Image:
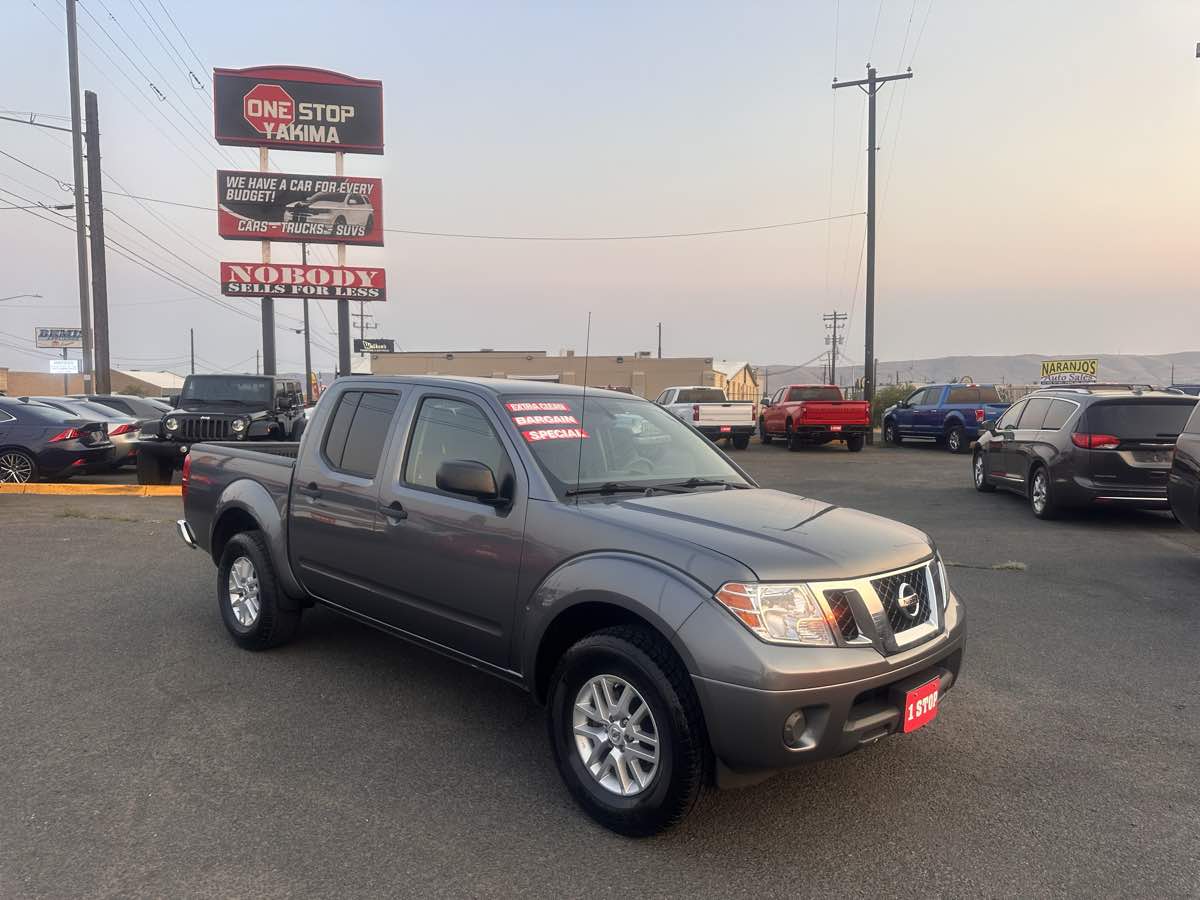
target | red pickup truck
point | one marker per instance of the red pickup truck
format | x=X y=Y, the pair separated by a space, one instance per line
x=811 y=414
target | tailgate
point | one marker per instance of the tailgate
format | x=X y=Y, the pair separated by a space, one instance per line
x=834 y=412
x=731 y=413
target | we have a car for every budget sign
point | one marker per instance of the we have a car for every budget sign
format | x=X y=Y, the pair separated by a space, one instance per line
x=319 y=209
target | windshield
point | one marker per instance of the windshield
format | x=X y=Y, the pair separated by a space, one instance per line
x=629 y=441
x=242 y=389
x=701 y=395
x=1133 y=419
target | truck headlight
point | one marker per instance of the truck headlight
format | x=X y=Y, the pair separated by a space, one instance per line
x=778 y=613
x=171 y=424
x=238 y=425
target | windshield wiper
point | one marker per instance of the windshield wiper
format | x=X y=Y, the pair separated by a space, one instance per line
x=612 y=487
x=706 y=482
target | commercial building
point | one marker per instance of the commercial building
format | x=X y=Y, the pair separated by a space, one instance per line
x=637 y=373
x=45 y=384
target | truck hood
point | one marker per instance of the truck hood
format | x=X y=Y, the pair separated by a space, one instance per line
x=780 y=536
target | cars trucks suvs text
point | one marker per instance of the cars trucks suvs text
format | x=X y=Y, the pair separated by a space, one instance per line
x=683 y=626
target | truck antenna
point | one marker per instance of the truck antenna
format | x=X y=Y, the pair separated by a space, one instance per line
x=587 y=352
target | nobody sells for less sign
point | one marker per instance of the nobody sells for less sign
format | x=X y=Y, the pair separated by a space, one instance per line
x=283 y=280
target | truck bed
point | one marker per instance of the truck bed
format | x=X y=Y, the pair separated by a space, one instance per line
x=214 y=466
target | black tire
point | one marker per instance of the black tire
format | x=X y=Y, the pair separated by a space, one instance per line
x=741 y=441
x=764 y=436
x=297 y=430
x=272 y=625
x=18 y=467
x=154 y=469
x=956 y=439
x=644 y=660
x=793 y=439
x=979 y=473
x=340 y=222
x=891 y=434
x=855 y=442
x=1047 y=508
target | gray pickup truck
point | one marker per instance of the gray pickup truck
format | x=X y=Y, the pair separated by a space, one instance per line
x=683 y=627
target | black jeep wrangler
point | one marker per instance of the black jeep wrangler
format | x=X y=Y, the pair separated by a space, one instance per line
x=221 y=408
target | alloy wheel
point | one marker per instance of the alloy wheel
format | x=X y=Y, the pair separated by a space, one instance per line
x=979 y=469
x=615 y=735
x=244 y=600
x=15 y=468
x=1040 y=491
x=954 y=440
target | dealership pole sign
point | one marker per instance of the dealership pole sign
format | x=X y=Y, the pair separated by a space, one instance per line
x=298 y=108
x=1069 y=371
x=314 y=209
x=57 y=338
x=285 y=280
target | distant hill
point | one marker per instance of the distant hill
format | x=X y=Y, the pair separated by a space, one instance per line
x=1155 y=370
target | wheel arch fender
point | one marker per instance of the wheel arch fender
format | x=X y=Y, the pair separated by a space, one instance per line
x=247 y=503
x=953 y=419
x=597 y=590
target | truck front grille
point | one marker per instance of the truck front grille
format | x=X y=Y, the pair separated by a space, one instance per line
x=206 y=428
x=911 y=586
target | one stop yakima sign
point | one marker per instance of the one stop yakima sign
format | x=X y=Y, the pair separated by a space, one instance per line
x=268 y=108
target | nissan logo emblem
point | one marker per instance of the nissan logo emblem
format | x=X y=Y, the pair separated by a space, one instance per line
x=908 y=601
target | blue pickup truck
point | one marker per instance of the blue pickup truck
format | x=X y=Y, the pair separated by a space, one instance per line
x=949 y=414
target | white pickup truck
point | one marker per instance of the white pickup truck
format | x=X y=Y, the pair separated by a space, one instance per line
x=712 y=413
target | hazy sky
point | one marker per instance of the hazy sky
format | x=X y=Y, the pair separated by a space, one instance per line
x=1038 y=177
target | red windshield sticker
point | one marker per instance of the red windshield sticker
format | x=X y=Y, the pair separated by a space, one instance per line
x=537 y=406
x=545 y=420
x=555 y=434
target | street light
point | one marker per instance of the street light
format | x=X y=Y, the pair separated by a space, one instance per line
x=19 y=296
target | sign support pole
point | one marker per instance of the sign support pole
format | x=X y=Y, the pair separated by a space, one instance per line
x=67 y=377
x=308 y=385
x=268 y=303
x=343 y=305
x=102 y=373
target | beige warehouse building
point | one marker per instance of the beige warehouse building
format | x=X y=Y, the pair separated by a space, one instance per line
x=638 y=373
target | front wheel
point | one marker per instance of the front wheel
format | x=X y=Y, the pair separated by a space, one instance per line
x=627 y=732
x=248 y=595
x=891 y=435
x=956 y=439
x=763 y=435
x=741 y=441
x=979 y=473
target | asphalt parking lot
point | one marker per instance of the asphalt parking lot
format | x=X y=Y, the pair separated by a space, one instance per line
x=143 y=754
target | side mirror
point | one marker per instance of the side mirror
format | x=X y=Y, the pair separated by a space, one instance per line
x=988 y=425
x=766 y=401
x=901 y=404
x=469 y=478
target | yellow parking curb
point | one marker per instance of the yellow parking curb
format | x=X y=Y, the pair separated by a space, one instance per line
x=95 y=490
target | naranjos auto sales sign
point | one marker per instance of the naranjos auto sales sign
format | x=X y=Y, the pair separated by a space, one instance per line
x=1069 y=371
x=249 y=279
x=269 y=206
x=297 y=108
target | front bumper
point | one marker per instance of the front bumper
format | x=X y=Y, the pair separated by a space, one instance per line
x=849 y=697
x=173 y=450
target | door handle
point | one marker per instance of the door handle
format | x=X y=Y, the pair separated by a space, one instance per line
x=310 y=490
x=394 y=511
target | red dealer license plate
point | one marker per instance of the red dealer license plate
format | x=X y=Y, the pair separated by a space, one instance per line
x=835 y=427
x=921 y=705
x=725 y=429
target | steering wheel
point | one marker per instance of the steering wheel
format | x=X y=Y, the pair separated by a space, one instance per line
x=639 y=465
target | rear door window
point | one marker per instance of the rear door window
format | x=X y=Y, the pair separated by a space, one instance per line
x=339 y=428
x=1034 y=413
x=368 y=433
x=1056 y=418
x=1139 y=419
x=963 y=395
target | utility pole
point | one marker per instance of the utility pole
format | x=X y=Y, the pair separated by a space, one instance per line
x=660 y=340
x=268 y=303
x=192 y=340
x=343 y=306
x=834 y=321
x=103 y=372
x=308 y=390
x=363 y=327
x=870 y=86
x=81 y=260
x=257 y=370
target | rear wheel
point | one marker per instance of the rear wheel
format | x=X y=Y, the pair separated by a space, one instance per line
x=1041 y=500
x=248 y=595
x=154 y=469
x=891 y=434
x=793 y=439
x=956 y=439
x=979 y=473
x=17 y=467
x=855 y=442
x=763 y=435
x=627 y=732
x=741 y=441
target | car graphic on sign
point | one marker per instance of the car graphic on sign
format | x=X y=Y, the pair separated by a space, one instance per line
x=333 y=209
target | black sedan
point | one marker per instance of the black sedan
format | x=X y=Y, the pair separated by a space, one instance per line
x=1183 y=486
x=38 y=441
x=1083 y=446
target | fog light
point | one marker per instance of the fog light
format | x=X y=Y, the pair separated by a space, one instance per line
x=793 y=729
